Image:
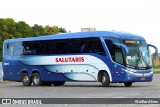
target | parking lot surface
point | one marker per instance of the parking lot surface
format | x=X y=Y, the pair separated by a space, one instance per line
x=83 y=90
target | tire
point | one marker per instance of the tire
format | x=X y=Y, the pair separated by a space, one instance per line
x=26 y=79
x=105 y=80
x=36 y=79
x=59 y=83
x=128 y=84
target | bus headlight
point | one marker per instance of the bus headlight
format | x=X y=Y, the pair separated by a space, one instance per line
x=131 y=71
x=151 y=72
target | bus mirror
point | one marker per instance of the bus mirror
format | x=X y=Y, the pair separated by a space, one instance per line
x=123 y=46
x=156 y=49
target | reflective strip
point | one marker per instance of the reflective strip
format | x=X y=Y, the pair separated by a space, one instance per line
x=6 y=63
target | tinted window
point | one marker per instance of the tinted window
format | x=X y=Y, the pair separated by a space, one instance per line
x=118 y=56
x=113 y=39
x=9 y=49
x=38 y=47
x=95 y=46
x=18 y=48
x=87 y=45
x=6 y=48
x=63 y=46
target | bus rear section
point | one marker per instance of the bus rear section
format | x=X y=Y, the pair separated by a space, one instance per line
x=63 y=60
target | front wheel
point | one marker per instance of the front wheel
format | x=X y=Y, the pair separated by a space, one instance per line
x=128 y=84
x=105 y=80
x=26 y=79
x=37 y=79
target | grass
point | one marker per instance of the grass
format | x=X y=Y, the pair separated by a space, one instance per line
x=157 y=69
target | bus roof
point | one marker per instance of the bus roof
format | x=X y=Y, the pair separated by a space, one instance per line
x=122 y=35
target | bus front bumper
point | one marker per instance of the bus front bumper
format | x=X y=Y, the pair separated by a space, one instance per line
x=139 y=76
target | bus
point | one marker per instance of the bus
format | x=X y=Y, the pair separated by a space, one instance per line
x=98 y=56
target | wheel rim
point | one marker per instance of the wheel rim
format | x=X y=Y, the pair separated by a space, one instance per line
x=25 y=79
x=36 y=80
x=103 y=79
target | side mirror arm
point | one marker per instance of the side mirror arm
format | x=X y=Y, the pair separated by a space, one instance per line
x=156 y=49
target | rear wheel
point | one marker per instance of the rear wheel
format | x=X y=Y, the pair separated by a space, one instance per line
x=37 y=79
x=26 y=79
x=59 y=83
x=128 y=84
x=105 y=80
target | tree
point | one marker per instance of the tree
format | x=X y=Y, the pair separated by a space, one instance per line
x=50 y=30
x=24 y=29
x=37 y=30
x=10 y=29
x=63 y=30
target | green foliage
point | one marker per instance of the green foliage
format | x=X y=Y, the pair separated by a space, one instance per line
x=51 y=30
x=37 y=30
x=10 y=29
x=24 y=29
x=157 y=67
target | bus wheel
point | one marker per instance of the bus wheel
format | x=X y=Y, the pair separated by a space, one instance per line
x=128 y=84
x=26 y=79
x=59 y=83
x=105 y=79
x=36 y=79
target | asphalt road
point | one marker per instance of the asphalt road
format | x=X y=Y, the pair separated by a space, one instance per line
x=83 y=90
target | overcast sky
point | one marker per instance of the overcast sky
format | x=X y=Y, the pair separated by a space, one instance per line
x=140 y=17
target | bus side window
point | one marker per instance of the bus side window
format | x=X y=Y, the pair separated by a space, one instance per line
x=18 y=48
x=83 y=48
x=6 y=49
x=11 y=49
x=95 y=46
x=62 y=47
x=7 y=45
x=77 y=45
x=29 y=48
x=118 y=56
x=109 y=44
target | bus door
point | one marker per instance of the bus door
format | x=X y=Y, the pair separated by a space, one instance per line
x=8 y=61
x=116 y=56
x=119 y=61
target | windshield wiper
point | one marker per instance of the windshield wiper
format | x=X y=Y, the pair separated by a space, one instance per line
x=145 y=61
x=147 y=65
x=140 y=59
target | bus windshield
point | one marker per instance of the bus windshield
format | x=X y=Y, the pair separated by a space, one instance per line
x=138 y=56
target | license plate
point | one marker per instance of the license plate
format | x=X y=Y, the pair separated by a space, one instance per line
x=143 y=79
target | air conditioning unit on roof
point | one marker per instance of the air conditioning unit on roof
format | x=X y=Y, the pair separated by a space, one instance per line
x=88 y=29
